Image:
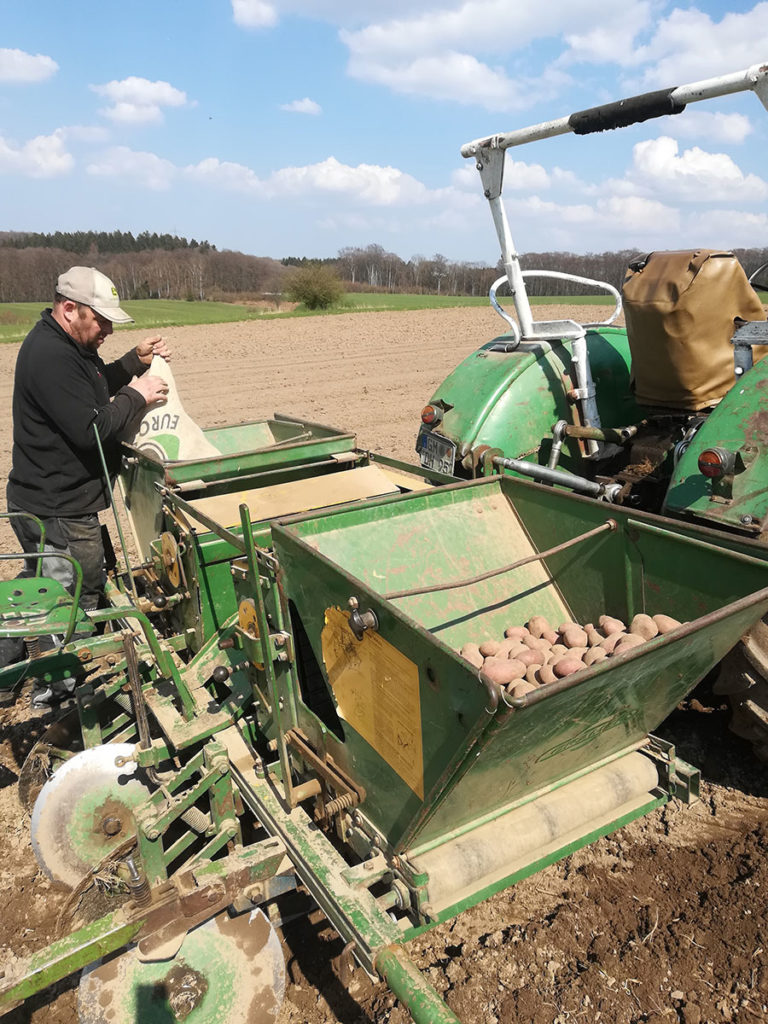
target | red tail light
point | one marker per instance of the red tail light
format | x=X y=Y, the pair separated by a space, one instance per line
x=716 y=462
x=431 y=415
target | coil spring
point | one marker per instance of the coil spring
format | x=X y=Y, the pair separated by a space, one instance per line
x=341 y=803
x=32 y=644
x=124 y=701
x=138 y=884
x=196 y=819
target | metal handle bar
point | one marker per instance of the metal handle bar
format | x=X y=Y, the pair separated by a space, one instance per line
x=560 y=276
x=78 y=571
x=632 y=110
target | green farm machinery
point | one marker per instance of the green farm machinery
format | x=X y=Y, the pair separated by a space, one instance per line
x=332 y=679
x=665 y=415
x=274 y=701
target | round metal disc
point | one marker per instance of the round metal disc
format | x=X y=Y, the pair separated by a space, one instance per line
x=84 y=811
x=229 y=970
x=170 y=551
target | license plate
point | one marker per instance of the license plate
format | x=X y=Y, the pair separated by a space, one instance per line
x=437 y=453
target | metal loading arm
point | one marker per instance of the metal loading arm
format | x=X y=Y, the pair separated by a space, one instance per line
x=632 y=110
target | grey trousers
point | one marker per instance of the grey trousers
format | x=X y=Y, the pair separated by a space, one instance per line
x=77 y=536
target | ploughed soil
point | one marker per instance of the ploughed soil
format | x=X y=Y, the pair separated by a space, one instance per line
x=664 y=921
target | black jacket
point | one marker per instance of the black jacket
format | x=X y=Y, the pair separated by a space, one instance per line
x=60 y=390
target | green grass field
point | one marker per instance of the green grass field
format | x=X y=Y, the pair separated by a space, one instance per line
x=16 y=319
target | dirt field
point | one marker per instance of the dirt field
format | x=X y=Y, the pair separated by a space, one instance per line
x=665 y=921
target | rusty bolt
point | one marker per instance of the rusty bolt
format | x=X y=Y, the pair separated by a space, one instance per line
x=111 y=826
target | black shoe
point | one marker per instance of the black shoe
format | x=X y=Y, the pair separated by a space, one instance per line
x=52 y=695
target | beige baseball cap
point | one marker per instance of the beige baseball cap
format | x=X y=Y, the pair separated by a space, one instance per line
x=89 y=286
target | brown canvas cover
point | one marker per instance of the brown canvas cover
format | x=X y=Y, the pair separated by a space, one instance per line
x=680 y=309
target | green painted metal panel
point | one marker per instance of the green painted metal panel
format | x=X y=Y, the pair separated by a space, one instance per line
x=738 y=423
x=510 y=400
x=473 y=761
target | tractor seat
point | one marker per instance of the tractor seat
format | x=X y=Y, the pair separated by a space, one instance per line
x=36 y=606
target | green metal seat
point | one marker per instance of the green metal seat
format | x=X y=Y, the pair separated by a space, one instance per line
x=38 y=606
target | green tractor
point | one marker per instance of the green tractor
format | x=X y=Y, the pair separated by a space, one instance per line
x=665 y=415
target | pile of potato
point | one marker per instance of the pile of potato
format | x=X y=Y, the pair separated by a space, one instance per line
x=537 y=653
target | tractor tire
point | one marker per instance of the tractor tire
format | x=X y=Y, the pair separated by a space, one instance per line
x=743 y=679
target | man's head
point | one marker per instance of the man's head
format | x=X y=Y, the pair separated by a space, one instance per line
x=86 y=304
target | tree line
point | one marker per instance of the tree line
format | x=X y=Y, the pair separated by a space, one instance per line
x=29 y=275
x=373 y=268
x=170 y=267
x=83 y=242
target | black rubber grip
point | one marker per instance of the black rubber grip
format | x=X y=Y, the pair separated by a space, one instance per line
x=625 y=112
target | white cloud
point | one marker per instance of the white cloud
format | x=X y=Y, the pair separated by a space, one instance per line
x=458 y=77
x=18 y=66
x=711 y=227
x=369 y=183
x=137 y=100
x=613 y=34
x=253 y=13
x=714 y=127
x=688 y=45
x=693 y=175
x=84 y=132
x=145 y=169
x=638 y=214
x=45 y=156
x=224 y=174
x=305 y=106
x=447 y=51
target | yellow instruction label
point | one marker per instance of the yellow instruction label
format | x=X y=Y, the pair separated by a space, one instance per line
x=377 y=692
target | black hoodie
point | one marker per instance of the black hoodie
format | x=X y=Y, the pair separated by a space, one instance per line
x=62 y=389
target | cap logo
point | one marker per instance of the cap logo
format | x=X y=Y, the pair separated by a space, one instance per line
x=114 y=291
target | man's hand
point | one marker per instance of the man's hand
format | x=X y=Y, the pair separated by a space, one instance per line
x=154 y=346
x=152 y=389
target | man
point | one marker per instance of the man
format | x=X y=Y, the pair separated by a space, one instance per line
x=62 y=391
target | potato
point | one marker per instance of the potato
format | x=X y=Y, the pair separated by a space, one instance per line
x=520 y=689
x=595 y=655
x=518 y=668
x=610 y=642
x=545 y=674
x=515 y=632
x=567 y=666
x=550 y=636
x=537 y=625
x=536 y=643
x=593 y=637
x=532 y=674
x=471 y=653
x=567 y=625
x=574 y=637
x=644 y=626
x=501 y=670
x=610 y=625
x=627 y=642
x=665 y=623
x=490 y=648
x=556 y=652
x=531 y=657
x=516 y=649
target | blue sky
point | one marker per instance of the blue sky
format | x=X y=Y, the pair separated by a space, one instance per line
x=298 y=127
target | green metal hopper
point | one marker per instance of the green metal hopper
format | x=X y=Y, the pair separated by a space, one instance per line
x=454 y=771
